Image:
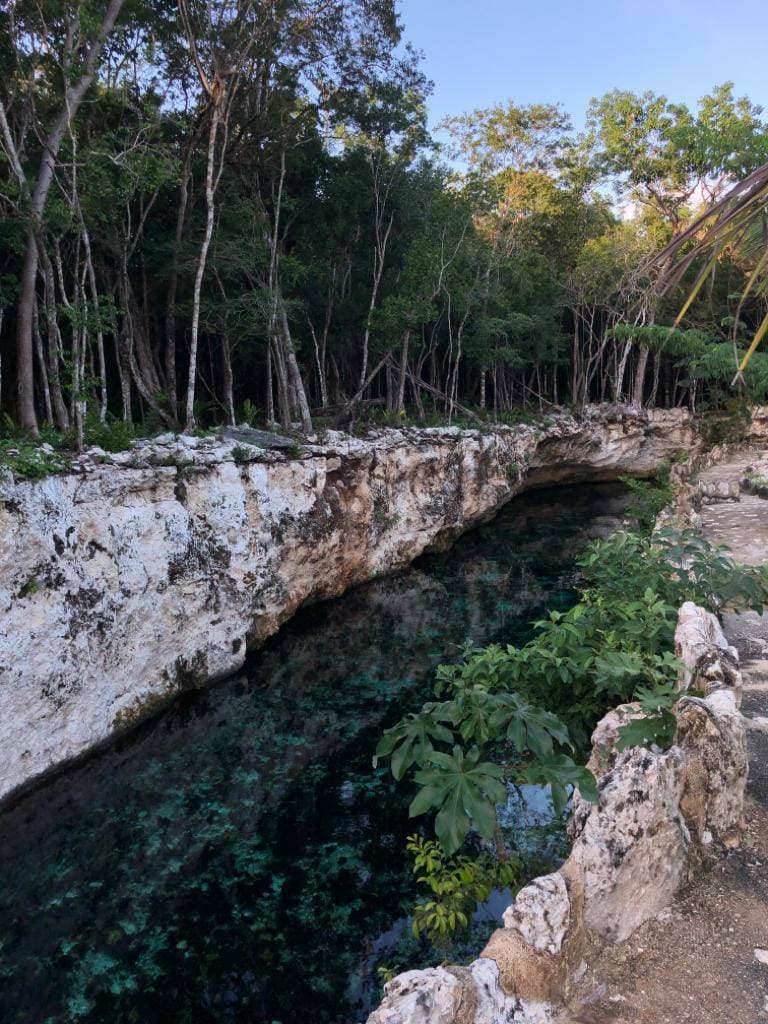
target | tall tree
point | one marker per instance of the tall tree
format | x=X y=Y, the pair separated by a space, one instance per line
x=78 y=33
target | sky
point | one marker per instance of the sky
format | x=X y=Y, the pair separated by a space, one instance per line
x=479 y=52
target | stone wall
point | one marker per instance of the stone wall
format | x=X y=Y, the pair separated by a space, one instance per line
x=141 y=573
x=661 y=816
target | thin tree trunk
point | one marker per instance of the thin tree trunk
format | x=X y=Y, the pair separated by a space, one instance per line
x=638 y=388
x=60 y=412
x=270 y=392
x=403 y=368
x=201 y=261
x=43 y=369
x=294 y=373
x=226 y=379
x=173 y=282
x=99 y=330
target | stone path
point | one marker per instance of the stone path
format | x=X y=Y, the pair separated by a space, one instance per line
x=696 y=965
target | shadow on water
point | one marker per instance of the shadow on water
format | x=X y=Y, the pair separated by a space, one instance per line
x=236 y=859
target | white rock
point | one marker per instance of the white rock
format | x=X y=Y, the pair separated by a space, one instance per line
x=493 y=1005
x=420 y=997
x=541 y=913
x=709 y=660
x=632 y=847
x=761 y=955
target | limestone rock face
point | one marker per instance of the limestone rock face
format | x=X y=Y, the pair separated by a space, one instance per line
x=457 y=995
x=632 y=847
x=140 y=573
x=712 y=735
x=541 y=913
x=710 y=663
x=433 y=996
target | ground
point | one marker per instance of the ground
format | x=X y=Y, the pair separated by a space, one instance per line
x=696 y=964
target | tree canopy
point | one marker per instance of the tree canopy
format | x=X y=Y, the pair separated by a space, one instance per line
x=217 y=211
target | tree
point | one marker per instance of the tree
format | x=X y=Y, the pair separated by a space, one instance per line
x=79 y=34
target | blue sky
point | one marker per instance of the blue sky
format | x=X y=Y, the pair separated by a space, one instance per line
x=481 y=51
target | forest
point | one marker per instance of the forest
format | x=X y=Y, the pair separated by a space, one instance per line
x=230 y=212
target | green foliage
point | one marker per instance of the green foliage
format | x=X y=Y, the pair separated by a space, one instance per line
x=457 y=884
x=463 y=790
x=658 y=724
x=664 y=339
x=731 y=423
x=29 y=461
x=614 y=646
x=757 y=484
x=241 y=455
x=113 y=435
x=32 y=586
x=249 y=413
x=651 y=497
x=677 y=566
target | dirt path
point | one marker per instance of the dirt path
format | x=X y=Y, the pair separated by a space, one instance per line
x=696 y=965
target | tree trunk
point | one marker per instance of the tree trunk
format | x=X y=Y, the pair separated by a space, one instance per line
x=226 y=378
x=201 y=261
x=638 y=388
x=294 y=373
x=51 y=144
x=99 y=330
x=403 y=368
x=43 y=368
x=60 y=413
x=25 y=379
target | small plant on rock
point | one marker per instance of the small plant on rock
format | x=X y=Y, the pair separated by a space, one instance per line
x=241 y=455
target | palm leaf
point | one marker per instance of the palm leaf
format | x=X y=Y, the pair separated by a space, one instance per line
x=726 y=222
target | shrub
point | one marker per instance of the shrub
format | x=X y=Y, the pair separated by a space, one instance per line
x=517 y=715
x=112 y=435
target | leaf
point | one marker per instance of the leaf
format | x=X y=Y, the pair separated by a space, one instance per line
x=653 y=730
x=427 y=798
x=561 y=773
x=465 y=790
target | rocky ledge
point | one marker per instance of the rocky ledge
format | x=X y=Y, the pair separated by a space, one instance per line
x=661 y=817
x=135 y=575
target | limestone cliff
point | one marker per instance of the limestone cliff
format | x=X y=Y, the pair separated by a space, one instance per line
x=138 y=574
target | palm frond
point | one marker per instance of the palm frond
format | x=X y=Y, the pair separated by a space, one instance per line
x=735 y=221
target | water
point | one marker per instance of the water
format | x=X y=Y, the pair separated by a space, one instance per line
x=238 y=859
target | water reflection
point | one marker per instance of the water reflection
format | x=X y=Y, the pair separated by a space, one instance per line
x=238 y=858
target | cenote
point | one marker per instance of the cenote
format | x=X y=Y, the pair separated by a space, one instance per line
x=238 y=859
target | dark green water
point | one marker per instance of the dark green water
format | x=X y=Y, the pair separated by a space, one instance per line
x=237 y=859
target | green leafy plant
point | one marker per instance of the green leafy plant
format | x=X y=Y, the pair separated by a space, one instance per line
x=30 y=462
x=650 y=497
x=457 y=884
x=512 y=716
x=241 y=455
x=463 y=790
x=112 y=435
x=249 y=413
x=658 y=725
x=757 y=484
